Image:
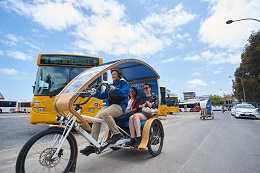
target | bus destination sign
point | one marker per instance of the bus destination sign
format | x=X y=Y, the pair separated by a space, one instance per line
x=69 y=60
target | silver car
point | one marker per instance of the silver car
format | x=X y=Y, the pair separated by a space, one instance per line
x=246 y=110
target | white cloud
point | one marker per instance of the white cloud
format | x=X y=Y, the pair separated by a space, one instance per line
x=12 y=37
x=196 y=82
x=186 y=35
x=19 y=55
x=192 y=58
x=225 y=57
x=51 y=15
x=168 y=21
x=1 y=52
x=9 y=71
x=112 y=34
x=169 y=60
x=102 y=25
x=179 y=36
x=196 y=74
x=217 y=57
x=57 y=16
x=216 y=72
x=215 y=32
x=213 y=82
x=12 y=73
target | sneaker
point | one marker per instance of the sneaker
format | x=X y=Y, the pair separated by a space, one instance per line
x=88 y=150
x=137 y=141
x=114 y=138
x=130 y=143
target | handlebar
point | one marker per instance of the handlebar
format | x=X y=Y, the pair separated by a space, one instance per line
x=92 y=91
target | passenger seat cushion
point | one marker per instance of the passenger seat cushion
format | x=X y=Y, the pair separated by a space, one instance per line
x=127 y=123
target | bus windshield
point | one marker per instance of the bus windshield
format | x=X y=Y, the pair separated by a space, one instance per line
x=55 y=71
x=172 y=102
x=50 y=80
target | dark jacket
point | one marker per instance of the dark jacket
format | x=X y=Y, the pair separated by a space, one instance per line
x=152 y=99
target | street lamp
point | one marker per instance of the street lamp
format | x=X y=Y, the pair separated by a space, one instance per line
x=242 y=87
x=231 y=21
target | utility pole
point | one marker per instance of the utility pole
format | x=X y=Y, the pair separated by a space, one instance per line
x=242 y=83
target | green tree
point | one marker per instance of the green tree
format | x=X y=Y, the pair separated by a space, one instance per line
x=216 y=100
x=247 y=75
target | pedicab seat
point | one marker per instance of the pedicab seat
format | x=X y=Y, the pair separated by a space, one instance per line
x=142 y=123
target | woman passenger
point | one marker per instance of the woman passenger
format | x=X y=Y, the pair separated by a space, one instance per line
x=132 y=107
x=148 y=100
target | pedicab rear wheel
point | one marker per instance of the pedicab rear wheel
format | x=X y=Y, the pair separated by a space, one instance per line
x=156 y=137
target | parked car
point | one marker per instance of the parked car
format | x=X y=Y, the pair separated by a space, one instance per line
x=217 y=108
x=232 y=111
x=246 y=110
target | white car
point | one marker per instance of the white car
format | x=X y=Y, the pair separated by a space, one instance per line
x=246 y=110
x=233 y=109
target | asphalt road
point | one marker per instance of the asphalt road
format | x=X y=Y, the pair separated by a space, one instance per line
x=224 y=144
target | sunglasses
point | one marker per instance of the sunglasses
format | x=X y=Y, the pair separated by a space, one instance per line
x=145 y=88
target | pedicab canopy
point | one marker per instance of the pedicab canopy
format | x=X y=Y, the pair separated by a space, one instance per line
x=206 y=105
x=134 y=72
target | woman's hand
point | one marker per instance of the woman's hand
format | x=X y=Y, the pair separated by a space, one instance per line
x=127 y=111
x=143 y=105
x=149 y=103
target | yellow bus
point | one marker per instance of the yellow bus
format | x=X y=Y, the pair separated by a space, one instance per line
x=163 y=107
x=55 y=71
x=172 y=104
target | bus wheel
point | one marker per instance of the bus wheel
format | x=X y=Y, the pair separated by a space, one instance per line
x=156 y=136
x=1 y=111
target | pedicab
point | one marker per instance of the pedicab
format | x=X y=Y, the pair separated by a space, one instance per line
x=55 y=149
x=206 y=110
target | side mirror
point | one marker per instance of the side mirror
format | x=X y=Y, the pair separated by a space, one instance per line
x=105 y=76
x=33 y=88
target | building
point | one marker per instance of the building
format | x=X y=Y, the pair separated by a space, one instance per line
x=189 y=95
x=204 y=97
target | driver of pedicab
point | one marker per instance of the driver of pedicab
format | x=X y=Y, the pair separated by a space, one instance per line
x=116 y=98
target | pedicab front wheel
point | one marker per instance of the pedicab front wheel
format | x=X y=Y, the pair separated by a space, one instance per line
x=36 y=154
x=156 y=136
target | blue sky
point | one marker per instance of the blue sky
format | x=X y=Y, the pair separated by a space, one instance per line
x=186 y=42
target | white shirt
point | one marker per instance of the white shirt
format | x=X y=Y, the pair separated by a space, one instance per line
x=129 y=106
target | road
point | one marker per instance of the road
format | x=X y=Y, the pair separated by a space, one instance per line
x=224 y=144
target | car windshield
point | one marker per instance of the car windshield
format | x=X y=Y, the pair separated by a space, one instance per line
x=246 y=106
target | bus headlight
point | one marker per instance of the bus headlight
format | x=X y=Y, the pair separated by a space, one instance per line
x=91 y=110
x=40 y=109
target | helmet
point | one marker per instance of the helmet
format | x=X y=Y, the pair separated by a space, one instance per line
x=119 y=72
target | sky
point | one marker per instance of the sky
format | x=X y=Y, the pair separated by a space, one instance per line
x=186 y=41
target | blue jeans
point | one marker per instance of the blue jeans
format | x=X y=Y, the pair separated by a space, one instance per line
x=124 y=118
